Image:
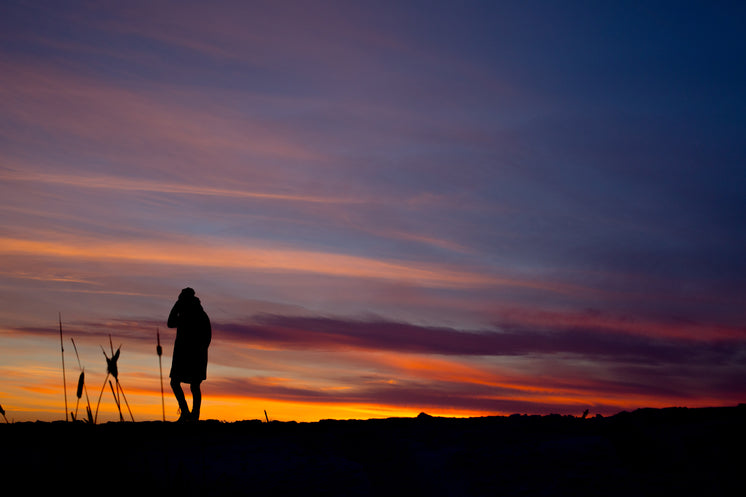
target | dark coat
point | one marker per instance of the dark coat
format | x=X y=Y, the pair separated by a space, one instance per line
x=193 y=336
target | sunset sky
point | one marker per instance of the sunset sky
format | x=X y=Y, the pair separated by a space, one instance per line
x=386 y=207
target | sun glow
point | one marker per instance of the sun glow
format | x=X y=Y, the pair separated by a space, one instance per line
x=228 y=408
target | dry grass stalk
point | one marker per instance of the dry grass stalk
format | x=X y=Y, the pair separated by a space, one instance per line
x=113 y=370
x=159 y=351
x=116 y=400
x=64 y=380
x=82 y=388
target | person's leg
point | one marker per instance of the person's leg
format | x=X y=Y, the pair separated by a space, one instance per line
x=196 y=400
x=179 y=394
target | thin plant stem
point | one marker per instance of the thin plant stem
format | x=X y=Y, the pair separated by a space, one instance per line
x=159 y=350
x=85 y=387
x=116 y=401
x=64 y=379
x=99 y=398
x=121 y=390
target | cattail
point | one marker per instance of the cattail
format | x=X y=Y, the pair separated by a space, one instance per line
x=81 y=382
x=82 y=387
x=79 y=394
x=2 y=411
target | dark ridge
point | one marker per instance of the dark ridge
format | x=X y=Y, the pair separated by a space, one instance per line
x=668 y=451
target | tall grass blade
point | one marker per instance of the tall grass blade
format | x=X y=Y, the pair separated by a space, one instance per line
x=124 y=397
x=64 y=380
x=116 y=401
x=85 y=388
x=159 y=351
x=100 y=394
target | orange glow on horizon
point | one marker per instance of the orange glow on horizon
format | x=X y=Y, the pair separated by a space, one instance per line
x=229 y=408
x=145 y=402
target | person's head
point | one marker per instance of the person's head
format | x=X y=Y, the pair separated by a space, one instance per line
x=186 y=294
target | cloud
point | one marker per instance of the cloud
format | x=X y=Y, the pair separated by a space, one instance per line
x=125 y=184
x=597 y=345
x=518 y=370
x=105 y=120
x=312 y=360
x=221 y=255
x=414 y=395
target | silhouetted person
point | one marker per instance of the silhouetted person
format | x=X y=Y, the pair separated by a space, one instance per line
x=189 y=363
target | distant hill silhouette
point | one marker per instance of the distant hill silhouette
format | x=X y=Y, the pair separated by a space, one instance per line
x=674 y=451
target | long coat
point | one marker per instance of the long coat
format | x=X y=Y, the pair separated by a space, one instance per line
x=193 y=336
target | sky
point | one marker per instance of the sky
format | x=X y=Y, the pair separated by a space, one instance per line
x=461 y=208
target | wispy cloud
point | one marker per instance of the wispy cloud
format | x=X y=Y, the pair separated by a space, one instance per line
x=197 y=253
x=584 y=342
x=92 y=113
x=129 y=184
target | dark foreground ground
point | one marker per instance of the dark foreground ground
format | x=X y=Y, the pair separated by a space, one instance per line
x=658 y=452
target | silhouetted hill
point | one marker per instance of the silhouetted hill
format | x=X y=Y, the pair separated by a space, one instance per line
x=674 y=451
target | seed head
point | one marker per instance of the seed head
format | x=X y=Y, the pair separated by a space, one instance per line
x=81 y=382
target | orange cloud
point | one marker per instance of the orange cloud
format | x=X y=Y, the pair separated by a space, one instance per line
x=221 y=255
